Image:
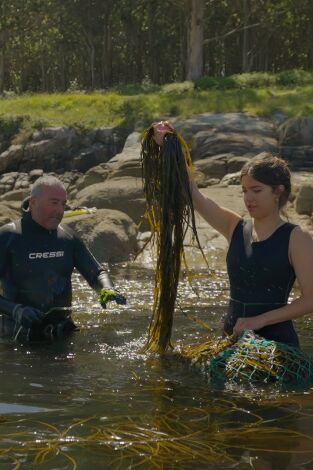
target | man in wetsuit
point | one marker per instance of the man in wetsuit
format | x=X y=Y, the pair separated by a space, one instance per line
x=37 y=258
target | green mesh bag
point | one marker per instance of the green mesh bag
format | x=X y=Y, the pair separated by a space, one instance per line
x=252 y=359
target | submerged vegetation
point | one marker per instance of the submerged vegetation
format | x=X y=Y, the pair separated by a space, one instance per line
x=182 y=437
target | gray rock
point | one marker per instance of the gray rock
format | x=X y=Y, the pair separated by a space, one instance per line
x=8 y=213
x=123 y=194
x=231 y=178
x=296 y=131
x=94 y=175
x=304 y=199
x=10 y=159
x=92 y=156
x=226 y=122
x=15 y=195
x=209 y=143
x=235 y=164
x=35 y=174
x=214 y=167
x=126 y=168
x=109 y=234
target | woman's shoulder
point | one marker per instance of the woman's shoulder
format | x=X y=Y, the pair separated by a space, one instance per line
x=300 y=240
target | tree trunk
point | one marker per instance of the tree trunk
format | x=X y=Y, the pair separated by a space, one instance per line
x=245 y=61
x=106 y=59
x=2 y=46
x=1 y=70
x=92 y=66
x=43 y=74
x=195 y=40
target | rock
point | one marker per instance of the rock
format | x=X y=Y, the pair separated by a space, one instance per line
x=92 y=156
x=96 y=174
x=10 y=159
x=61 y=133
x=126 y=168
x=296 y=132
x=243 y=123
x=235 y=164
x=231 y=178
x=35 y=174
x=8 y=213
x=109 y=234
x=200 y=178
x=123 y=194
x=209 y=143
x=15 y=195
x=304 y=199
x=214 y=167
x=132 y=142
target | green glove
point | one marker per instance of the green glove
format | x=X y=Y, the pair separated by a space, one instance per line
x=107 y=295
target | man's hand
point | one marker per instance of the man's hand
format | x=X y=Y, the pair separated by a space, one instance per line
x=27 y=316
x=160 y=129
x=107 y=295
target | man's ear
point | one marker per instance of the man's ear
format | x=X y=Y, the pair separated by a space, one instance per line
x=32 y=202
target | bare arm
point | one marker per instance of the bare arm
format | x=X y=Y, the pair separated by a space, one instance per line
x=220 y=218
x=301 y=257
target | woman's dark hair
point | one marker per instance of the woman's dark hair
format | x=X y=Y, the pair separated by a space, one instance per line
x=271 y=170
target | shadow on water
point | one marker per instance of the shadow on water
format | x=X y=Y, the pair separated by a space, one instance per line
x=94 y=401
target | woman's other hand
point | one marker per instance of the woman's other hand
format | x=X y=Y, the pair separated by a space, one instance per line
x=160 y=129
x=250 y=323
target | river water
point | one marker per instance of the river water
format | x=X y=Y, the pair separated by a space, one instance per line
x=96 y=402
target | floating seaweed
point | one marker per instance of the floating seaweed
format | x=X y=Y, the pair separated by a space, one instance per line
x=182 y=437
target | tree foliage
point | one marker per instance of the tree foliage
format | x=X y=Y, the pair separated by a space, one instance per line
x=56 y=45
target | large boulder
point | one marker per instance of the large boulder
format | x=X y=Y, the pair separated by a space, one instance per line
x=94 y=175
x=109 y=234
x=8 y=213
x=15 y=195
x=238 y=133
x=212 y=142
x=127 y=163
x=296 y=132
x=226 y=122
x=215 y=167
x=123 y=194
x=296 y=142
x=10 y=160
x=304 y=199
x=220 y=165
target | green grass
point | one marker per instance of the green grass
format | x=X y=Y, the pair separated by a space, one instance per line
x=115 y=108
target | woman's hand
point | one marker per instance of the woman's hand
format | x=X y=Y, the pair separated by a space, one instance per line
x=160 y=129
x=250 y=323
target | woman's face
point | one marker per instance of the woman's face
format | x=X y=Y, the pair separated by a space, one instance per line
x=260 y=199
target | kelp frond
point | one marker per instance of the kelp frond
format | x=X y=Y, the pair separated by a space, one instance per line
x=170 y=213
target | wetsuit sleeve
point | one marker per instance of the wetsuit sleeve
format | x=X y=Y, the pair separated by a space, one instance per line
x=6 y=306
x=90 y=268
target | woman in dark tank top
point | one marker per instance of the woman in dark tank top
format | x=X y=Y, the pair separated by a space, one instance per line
x=266 y=254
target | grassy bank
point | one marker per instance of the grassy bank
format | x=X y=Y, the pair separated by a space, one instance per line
x=139 y=105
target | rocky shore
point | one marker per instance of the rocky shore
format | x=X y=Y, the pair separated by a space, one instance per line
x=101 y=169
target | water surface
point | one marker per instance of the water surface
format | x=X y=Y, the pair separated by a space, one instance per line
x=95 y=401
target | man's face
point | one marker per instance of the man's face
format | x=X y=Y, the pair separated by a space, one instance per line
x=47 y=209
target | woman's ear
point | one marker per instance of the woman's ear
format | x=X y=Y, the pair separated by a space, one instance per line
x=279 y=189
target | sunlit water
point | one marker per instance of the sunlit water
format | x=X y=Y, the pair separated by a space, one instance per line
x=96 y=402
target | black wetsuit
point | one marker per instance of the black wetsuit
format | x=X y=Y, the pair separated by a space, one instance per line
x=261 y=278
x=36 y=266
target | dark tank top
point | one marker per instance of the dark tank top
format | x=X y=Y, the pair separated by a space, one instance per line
x=261 y=278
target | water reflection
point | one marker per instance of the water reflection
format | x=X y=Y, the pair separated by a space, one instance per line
x=114 y=407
